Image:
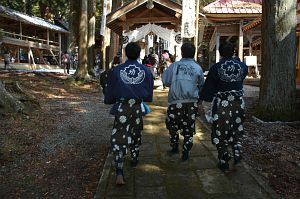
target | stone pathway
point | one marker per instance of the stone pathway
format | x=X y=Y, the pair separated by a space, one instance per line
x=159 y=175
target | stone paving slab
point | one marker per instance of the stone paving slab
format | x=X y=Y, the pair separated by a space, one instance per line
x=160 y=175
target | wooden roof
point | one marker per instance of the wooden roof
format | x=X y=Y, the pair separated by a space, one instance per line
x=234 y=7
x=134 y=14
x=230 y=10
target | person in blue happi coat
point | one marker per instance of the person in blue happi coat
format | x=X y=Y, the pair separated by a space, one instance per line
x=129 y=85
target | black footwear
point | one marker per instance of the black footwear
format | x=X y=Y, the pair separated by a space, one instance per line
x=237 y=160
x=134 y=162
x=120 y=177
x=223 y=167
x=174 y=149
x=185 y=155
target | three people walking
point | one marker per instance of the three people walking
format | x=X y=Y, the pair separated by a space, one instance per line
x=130 y=84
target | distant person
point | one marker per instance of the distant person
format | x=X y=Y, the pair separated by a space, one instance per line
x=75 y=60
x=164 y=61
x=154 y=61
x=104 y=76
x=146 y=60
x=185 y=79
x=128 y=86
x=6 y=60
x=66 y=62
x=116 y=60
x=98 y=61
x=224 y=88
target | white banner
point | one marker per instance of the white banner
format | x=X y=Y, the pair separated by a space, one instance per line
x=188 y=19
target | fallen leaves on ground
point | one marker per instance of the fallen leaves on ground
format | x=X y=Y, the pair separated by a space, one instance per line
x=273 y=150
x=69 y=170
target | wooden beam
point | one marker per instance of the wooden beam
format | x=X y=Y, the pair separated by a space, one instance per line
x=230 y=17
x=122 y=18
x=170 y=4
x=153 y=20
x=123 y=10
x=31 y=44
x=30 y=55
x=159 y=12
x=228 y=38
x=134 y=4
x=212 y=42
x=228 y=30
x=135 y=26
x=54 y=57
x=144 y=12
x=41 y=56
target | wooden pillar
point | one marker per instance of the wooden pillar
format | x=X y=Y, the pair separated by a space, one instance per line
x=250 y=45
x=197 y=29
x=217 y=47
x=21 y=31
x=48 y=37
x=59 y=54
x=28 y=55
x=18 y=54
x=298 y=61
x=298 y=51
x=241 y=41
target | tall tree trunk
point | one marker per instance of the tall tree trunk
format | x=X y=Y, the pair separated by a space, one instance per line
x=43 y=7
x=73 y=39
x=81 y=72
x=91 y=35
x=28 y=6
x=278 y=88
x=114 y=38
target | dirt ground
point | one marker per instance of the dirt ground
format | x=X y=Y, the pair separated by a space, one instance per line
x=57 y=149
x=273 y=151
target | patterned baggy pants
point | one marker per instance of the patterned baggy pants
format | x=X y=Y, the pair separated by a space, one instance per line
x=126 y=132
x=181 y=118
x=227 y=128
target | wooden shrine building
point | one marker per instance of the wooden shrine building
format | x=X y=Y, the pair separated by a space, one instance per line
x=136 y=14
x=224 y=20
x=30 y=40
x=255 y=26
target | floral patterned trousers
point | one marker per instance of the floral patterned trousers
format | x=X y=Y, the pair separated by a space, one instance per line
x=126 y=132
x=181 y=118
x=227 y=128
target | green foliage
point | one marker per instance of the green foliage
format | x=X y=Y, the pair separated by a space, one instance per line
x=36 y=7
x=16 y=4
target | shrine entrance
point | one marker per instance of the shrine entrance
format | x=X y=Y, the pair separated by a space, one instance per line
x=153 y=24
